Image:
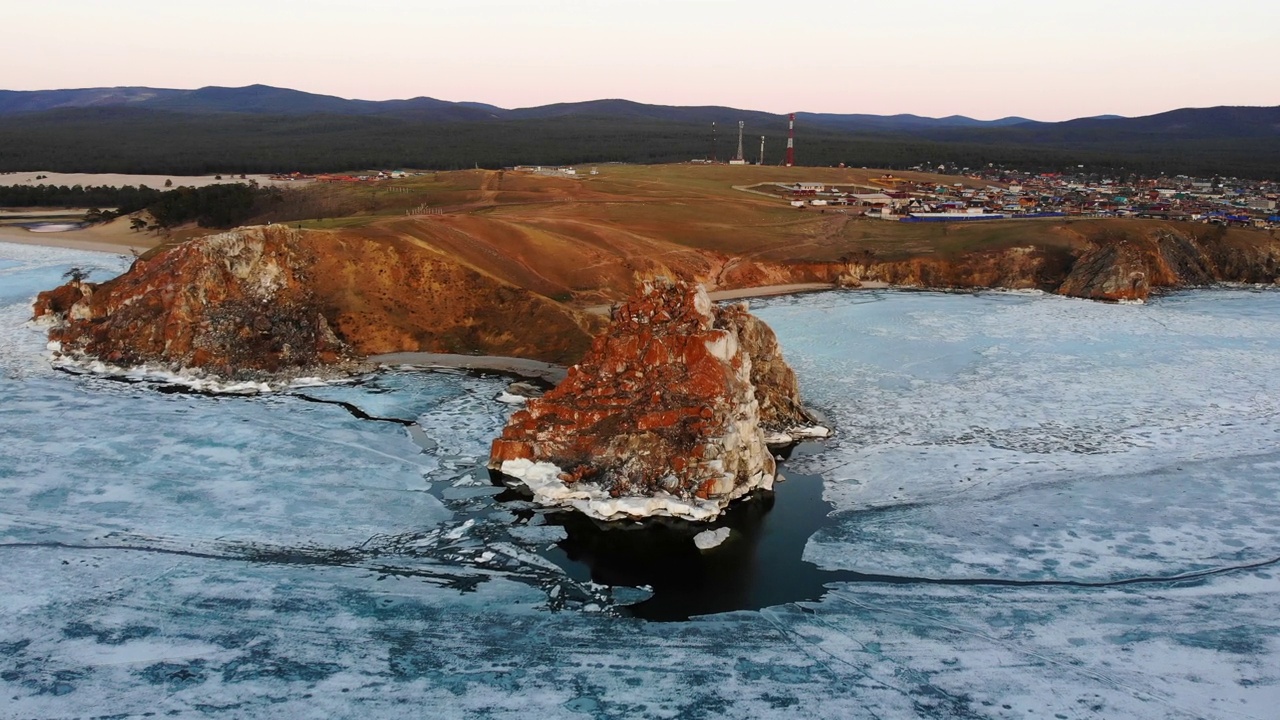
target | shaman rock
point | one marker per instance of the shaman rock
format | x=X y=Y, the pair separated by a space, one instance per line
x=665 y=415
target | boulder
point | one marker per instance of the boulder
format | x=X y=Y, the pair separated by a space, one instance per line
x=665 y=415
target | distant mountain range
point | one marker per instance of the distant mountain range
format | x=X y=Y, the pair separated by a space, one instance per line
x=267 y=100
x=262 y=128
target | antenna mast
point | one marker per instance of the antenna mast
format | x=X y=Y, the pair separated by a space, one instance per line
x=791 y=140
x=761 y=151
x=740 y=157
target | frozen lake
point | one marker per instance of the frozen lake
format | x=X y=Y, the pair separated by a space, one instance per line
x=1038 y=507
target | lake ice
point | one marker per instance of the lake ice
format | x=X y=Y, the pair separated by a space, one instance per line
x=1005 y=465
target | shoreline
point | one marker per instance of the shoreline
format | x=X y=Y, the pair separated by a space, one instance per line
x=791 y=289
x=518 y=367
x=763 y=291
x=552 y=373
x=33 y=178
x=68 y=241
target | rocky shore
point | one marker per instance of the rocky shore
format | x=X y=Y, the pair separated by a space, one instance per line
x=668 y=414
x=269 y=302
x=1123 y=263
x=670 y=410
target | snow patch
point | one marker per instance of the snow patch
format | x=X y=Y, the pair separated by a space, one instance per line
x=708 y=539
x=543 y=480
x=191 y=378
x=816 y=431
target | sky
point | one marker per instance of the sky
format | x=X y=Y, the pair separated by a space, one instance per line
x=1043 y=59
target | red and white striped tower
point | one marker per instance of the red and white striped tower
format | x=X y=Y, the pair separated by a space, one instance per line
x=791 y=140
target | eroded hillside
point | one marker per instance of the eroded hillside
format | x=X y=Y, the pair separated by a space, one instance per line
x=585 y=241
x=275 y=300
x=504 y=263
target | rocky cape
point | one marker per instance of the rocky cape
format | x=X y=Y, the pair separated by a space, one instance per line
x=1112 y=260
x=670 y=413
x=268 y=302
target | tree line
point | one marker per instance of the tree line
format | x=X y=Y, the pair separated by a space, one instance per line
x=137 y=141
x=214 y=206
x=127 y=199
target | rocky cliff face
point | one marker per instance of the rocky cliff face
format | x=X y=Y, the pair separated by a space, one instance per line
x=1016 y=268
x=1113 y=271
x=271 y=300
x=1120 y=262
x=665 y=415
x=774 y=382
x=1122 y=266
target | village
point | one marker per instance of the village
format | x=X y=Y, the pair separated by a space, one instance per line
x=1011 y=194
x=1007 y=194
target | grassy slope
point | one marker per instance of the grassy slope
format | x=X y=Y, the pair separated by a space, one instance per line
x=587 y=240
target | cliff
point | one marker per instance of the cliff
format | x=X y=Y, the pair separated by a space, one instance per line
x=272 y=300
x=772 y=379
x=665 y=415
x=1121 y=260
x=1127 y=266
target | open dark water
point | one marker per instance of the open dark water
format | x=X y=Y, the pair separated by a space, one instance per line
x=759 y=565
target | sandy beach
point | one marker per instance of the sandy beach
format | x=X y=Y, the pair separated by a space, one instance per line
x=156 y=182
x=505 y=365
x=93 y=239
x=766 y=291
x=113 y=237
x=793 y=289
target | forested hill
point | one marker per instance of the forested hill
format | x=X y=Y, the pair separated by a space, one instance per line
x=267 y=100
x=264 y=129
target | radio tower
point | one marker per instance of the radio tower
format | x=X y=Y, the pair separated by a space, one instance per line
x=715 y=150
x=791 y=140
x=761 y=151
x=740 y=157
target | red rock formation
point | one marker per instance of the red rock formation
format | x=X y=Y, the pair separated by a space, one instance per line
x=1016 y=268
x=272 y=300
x=1127 y=266
x=56 y=303
x=1118 y=270
x=661 y=417
x=1123 y=260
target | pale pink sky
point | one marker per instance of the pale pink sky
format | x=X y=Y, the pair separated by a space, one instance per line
x=987 y=59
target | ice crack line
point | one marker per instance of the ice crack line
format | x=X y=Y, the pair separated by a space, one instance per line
x=851 y=576
x=355 y=411
x=356 y=559
x=349 y=558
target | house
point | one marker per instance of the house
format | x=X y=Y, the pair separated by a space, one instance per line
x=871 y=199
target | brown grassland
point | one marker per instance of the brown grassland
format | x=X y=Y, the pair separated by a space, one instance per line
x=586 y=240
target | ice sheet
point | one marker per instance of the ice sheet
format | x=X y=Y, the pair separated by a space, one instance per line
x=1042 y=437
x=278 y=557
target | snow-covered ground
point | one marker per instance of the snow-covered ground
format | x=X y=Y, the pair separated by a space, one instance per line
x=278 y=556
